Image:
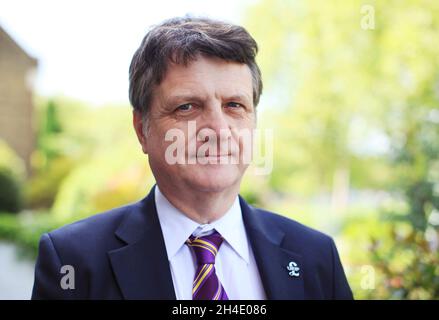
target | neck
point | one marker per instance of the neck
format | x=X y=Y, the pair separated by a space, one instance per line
x=203 y=206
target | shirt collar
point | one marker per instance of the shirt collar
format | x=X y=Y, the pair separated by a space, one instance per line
x=177 y=227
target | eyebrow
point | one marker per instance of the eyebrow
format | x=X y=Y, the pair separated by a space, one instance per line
x=241 y=97
x=193 y=97
x=181 y=97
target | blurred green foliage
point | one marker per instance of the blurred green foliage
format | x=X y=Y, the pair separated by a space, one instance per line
x=356 y=109
x=87 y=161
x=103 y=147
x=26 y=229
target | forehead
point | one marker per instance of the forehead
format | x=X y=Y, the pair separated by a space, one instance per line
x=206 y=75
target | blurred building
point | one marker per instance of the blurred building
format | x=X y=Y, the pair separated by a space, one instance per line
x=17 y=71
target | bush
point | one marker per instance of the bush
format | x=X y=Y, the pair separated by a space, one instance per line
x=12 y=174
x=11 y=199
x=103 y=182
x=410 y=268
x=25 y=229
x=42 y=188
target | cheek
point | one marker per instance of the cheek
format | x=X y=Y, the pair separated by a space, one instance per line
x=245 y=144
x=248 y=120
x=156 y=143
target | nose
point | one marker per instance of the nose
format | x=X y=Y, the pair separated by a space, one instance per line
x=215 y=119
x=215 y=126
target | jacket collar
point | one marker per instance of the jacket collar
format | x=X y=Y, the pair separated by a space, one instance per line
x=141 y=267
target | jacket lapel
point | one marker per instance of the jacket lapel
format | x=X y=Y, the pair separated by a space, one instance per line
x=141 y=267
x=272 y=259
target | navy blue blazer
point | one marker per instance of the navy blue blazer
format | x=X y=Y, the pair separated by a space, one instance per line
x=121 y=254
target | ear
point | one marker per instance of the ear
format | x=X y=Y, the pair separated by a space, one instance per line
x=138 y=127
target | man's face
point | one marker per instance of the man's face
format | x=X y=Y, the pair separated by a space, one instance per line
x=214 y=98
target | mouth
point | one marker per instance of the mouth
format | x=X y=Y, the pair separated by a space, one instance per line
x=225 y=158
x=218 y=155
x=214 y=155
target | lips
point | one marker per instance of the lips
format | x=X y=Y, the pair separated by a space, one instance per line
x=217 y=155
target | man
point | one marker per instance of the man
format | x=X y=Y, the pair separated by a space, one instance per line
x=193 y=236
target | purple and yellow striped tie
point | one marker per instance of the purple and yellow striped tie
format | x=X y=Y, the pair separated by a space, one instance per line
x=206 y=285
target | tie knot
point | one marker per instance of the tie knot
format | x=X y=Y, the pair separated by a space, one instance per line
x=205 y=247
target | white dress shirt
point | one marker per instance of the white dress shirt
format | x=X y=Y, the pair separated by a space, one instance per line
x=235 y=263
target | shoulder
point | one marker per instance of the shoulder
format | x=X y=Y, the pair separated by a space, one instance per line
x=96 y=224
x=298 y=237
x=82 y=245
x=318 y=253
x=91 y=235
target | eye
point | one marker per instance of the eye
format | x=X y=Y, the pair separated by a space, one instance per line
x=185 y=107
x=234 y=105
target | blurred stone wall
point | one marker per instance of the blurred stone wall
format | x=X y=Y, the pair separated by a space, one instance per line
x=17 y=71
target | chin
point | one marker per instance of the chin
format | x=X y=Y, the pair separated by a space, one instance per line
x=215 y=178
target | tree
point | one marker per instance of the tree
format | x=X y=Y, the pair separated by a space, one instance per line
x=344 y=95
